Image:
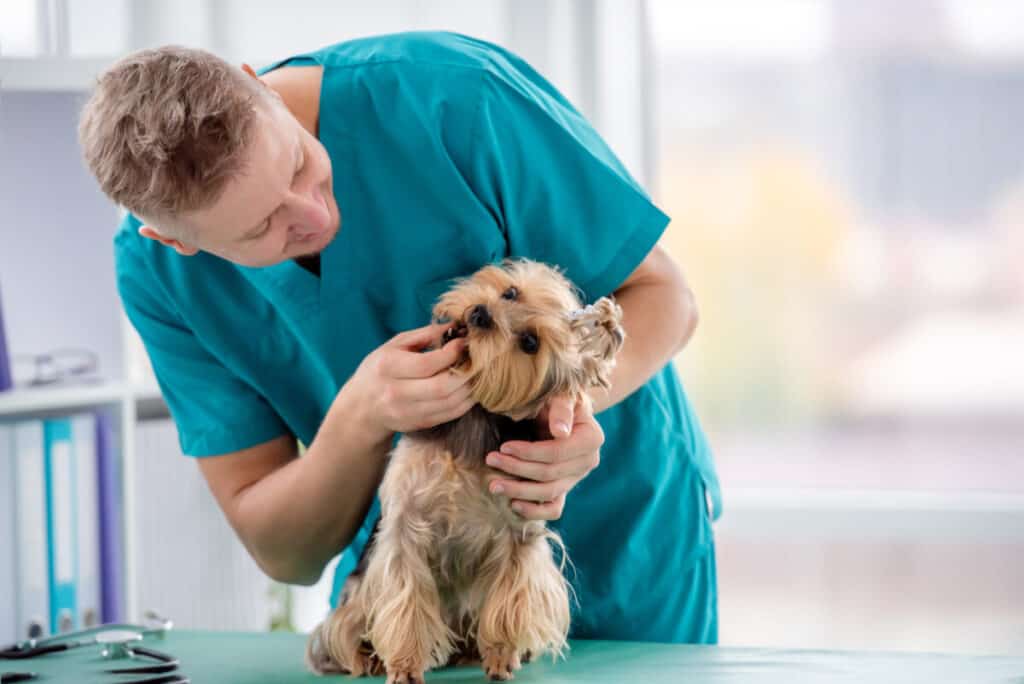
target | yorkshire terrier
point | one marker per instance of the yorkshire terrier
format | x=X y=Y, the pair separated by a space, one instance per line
x=452 y=574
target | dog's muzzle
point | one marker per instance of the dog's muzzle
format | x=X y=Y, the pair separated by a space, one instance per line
x=457 y=330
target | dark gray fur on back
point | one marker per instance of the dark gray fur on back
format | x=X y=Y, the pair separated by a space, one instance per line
x=477 y=433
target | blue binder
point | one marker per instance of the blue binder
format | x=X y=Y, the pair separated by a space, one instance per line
x=61 y=521
x=111 y=523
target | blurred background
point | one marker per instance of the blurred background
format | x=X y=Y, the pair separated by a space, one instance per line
x=846 y=181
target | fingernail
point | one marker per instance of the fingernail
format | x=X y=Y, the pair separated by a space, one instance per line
x=508 y=449
x=562 y=428
x=517 y=507
x=497 y=489
x=492 y=460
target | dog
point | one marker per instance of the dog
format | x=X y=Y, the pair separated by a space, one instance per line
x=452 y=575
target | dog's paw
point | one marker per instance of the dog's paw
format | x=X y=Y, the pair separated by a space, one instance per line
x=405 y=678
x=367 y=661
x=372 y=665
x=464 y=657
x=500 y=663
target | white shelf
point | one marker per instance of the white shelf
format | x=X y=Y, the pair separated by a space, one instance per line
x=29 y=402
x=51 y=74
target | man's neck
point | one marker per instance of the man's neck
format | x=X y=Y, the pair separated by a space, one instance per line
x=299 y=88
x=310 y=262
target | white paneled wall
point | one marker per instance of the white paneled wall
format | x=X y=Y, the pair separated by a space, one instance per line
x=191 y=566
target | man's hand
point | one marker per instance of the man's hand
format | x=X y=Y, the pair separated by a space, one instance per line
x=551 y=467
x=399 y=388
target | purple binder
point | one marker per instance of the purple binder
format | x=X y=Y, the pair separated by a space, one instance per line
x=6 y=382
x=111 y=523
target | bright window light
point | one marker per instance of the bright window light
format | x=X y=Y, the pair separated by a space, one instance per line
x=19 y=35
x=740 y=29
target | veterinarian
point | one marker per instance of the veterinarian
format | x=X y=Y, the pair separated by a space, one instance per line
x=289 y=233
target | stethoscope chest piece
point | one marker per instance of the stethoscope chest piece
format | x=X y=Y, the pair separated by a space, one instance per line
x=117 y=643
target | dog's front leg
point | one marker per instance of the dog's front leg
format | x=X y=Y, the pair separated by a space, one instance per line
x=405 y=624
x=526 y=604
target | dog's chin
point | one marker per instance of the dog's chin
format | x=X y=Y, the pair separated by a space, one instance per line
x=522 y=414
x=527 y=412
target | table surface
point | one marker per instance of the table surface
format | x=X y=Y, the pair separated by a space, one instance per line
x=254 y=658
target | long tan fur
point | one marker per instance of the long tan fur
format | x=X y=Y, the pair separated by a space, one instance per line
x=452 y=572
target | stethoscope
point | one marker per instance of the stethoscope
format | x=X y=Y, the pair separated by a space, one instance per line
x=117 y=642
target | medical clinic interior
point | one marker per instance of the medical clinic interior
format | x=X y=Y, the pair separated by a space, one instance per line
x=842 y=186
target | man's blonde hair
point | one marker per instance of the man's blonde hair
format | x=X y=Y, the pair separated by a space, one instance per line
x=166 y=129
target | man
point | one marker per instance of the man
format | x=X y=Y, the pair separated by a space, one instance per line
x=289 y=235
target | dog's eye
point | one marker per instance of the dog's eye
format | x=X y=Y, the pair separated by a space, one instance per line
x=529 y=343
x=510 y=294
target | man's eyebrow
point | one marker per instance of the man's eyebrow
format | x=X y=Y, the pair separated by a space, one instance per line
x=259 y=227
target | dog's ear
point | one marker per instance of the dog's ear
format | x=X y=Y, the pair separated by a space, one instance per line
x=599 y=334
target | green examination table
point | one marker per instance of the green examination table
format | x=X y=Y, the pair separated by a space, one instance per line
x=276 y=658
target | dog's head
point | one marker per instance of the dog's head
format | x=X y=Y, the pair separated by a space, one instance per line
x=528 y=337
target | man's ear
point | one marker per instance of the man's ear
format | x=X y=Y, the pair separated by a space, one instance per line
x=178 y=246
x=249 y=70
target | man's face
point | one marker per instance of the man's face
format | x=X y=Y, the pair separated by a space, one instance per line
x=280 y=206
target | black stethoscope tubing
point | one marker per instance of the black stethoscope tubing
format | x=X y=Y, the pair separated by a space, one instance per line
x=15 y=653
x=168 y=663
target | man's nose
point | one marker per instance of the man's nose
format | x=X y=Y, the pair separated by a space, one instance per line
x=310 y=210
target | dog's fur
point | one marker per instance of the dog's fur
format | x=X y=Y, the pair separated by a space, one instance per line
x=452 y=574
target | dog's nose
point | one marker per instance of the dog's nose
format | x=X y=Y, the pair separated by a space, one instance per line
x=480 y=317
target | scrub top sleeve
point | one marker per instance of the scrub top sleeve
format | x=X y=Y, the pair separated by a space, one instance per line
x=555 y=188
x=215 y=411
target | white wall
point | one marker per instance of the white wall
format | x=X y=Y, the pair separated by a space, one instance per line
x=56 y=257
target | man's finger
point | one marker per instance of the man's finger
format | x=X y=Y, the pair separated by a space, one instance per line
x=584 y=440
x=410 y=364
x=539 y=471
x=552 y=510
x=560 y=417
x=419 y=338
x=583 y=411
x=526 y=490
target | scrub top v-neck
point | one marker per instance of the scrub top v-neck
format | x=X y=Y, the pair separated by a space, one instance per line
x=448 y=153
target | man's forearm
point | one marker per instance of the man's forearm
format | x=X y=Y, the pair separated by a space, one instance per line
x=659 y=317
x=302 y=515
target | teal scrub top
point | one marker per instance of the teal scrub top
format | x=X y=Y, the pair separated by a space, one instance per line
x=448 y=153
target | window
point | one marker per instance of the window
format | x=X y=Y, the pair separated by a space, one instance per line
x=847 y=191
x=19 y=28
